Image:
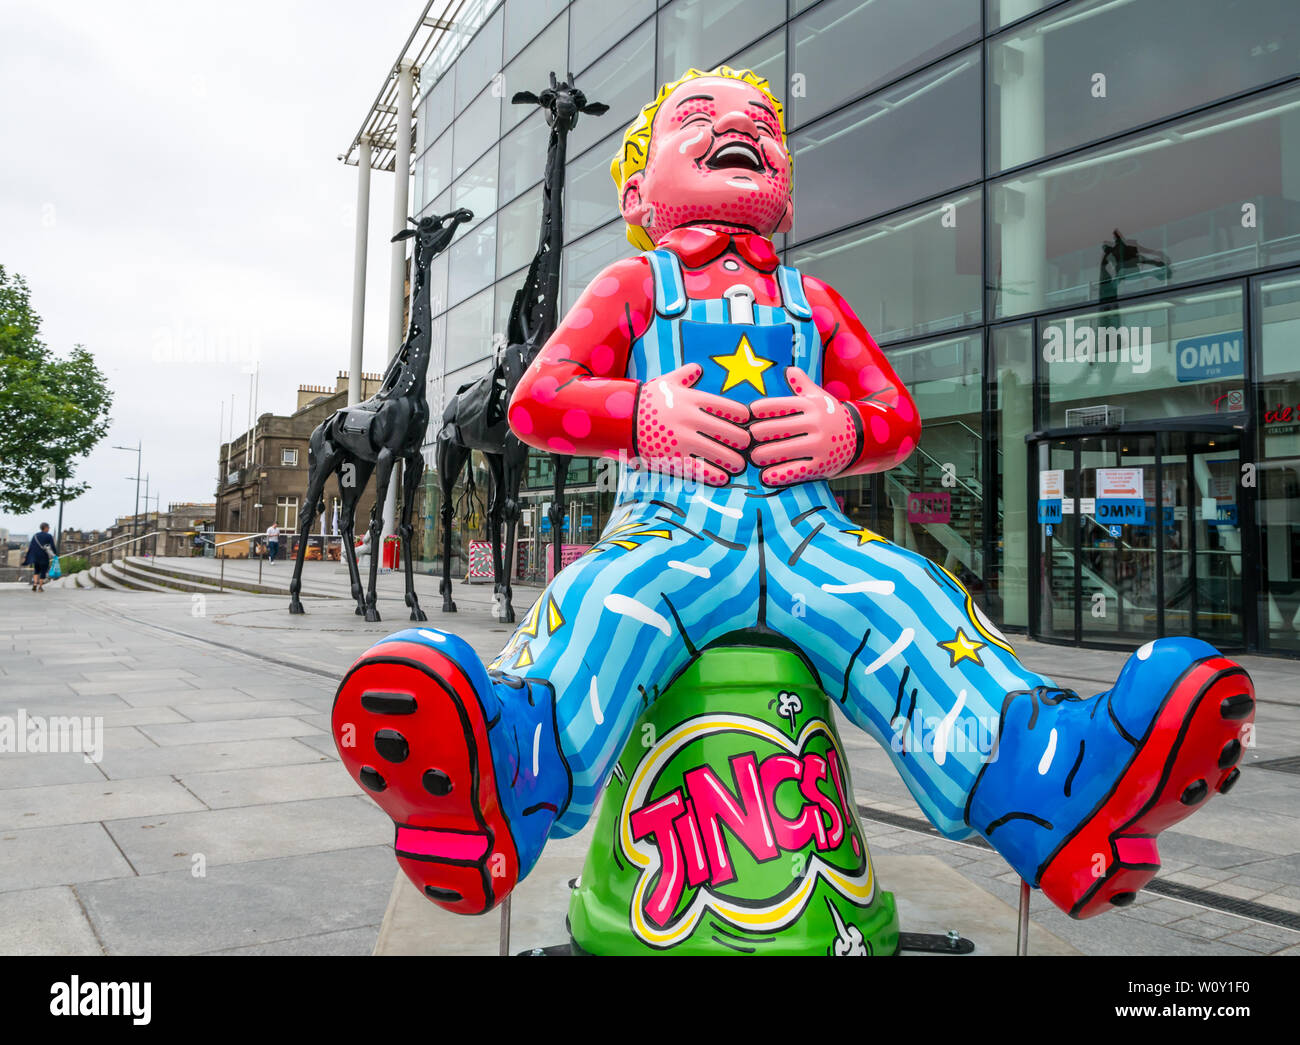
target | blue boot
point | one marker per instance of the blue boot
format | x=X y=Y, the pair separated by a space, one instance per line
x=466 y=764
x=1076 y=790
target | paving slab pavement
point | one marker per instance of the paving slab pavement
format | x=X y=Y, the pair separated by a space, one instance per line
x=213 y=714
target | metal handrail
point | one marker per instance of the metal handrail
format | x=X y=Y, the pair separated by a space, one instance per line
x=124 y=540
x=221 y=580
x=92 y=547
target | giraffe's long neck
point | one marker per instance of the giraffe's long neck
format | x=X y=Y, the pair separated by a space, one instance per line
x=419 y=338
x=551 y=241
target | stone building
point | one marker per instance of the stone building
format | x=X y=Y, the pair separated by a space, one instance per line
x=262 y=474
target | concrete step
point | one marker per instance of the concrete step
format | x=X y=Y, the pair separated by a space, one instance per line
x=101 y=579
x=143 y=570
x=172 y=573
x=130 y=581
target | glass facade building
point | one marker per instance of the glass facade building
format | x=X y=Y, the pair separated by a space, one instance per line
x=1073 y=227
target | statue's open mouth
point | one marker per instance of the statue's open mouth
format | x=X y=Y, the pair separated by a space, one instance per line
x=736 y=156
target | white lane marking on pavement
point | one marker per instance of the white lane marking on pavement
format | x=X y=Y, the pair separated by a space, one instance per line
x=904 y=640
x=689 y=142
x=637 y=611
x=537 y=747
x=945 y=728
x=432 y=636
x=1045 y=763
x=596 y=713
x=1145 y=651
x=688 y=567
x=725 y=509
x=870 y=587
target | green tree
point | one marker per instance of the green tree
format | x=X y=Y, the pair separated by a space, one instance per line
x=52 y=410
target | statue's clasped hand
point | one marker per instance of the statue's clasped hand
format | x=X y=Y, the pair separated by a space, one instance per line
x=684 y=431
x=809 y=435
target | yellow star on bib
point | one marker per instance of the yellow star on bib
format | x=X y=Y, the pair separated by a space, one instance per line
x=742 y=365
x=961 y=648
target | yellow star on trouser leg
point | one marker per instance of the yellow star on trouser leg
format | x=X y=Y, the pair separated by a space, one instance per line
x=866 y=536
x=961 y=648
x=743 y=366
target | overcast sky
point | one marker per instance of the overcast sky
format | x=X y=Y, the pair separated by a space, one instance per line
x=171 y=191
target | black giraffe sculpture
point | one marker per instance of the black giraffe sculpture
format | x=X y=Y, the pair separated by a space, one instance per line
x=475 y=419
x=373 y=435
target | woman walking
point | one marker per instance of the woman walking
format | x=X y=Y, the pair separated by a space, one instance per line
x=39 y=550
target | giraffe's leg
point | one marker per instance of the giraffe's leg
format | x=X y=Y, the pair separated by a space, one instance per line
x=558 y=508
x=351 y=493
x=320 y=472
x=411 y=474
x=496 y=504
x=451 y=459
x=383 y=473
x=516 y=459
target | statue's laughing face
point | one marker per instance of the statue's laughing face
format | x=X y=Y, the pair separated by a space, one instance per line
x=716 y=159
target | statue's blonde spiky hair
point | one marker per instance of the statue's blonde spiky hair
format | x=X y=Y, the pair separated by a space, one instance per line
x=635 y=149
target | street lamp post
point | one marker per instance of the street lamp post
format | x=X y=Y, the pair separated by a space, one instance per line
x=135 y=520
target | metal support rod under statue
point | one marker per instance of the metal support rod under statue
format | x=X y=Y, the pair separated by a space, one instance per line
x=1022 y=920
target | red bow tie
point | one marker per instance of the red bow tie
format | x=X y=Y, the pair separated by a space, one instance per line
x=698 y=246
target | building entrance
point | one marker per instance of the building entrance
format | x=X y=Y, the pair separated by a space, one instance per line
x=1139 y=535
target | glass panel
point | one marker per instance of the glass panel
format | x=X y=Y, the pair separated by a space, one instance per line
x=623 y=80
x=518 y=229
x=937 y=494
x=477 y=130
x=1012 y=383
x=531 y=71
x=438 y=109
x=1117 y=571
x=469 y=334
x=919 y=272
x=1215 y=480
x=1175 y=356
x=596 y=25
x=503 y=299
x=435 y=167
x=479 y=62
x=922 y=136
x=469 y=17
x=1278 y=482
x=438 y=284
x=590 y=199
x=1139 y=60
x=1173 y=206
x=1004 y=12
x=524 y=20
x=1059 y=585
x=523 y=155
x=584 y=259
x=477 y=189
x=472 y=261
x=437 y=364
x=698 y=34
x=767 y=58
x=845 y=48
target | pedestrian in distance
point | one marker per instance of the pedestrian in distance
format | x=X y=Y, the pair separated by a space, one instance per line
x=39 y=552
x=272 y=541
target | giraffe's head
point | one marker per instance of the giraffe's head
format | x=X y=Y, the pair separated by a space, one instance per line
x=562 y=103
x=434 y=232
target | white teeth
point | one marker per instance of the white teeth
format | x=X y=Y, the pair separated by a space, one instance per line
x=738 y=150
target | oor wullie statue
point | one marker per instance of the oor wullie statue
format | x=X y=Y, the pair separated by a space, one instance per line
x=735 y=388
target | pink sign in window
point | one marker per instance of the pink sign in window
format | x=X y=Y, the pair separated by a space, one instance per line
x=934 y=507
